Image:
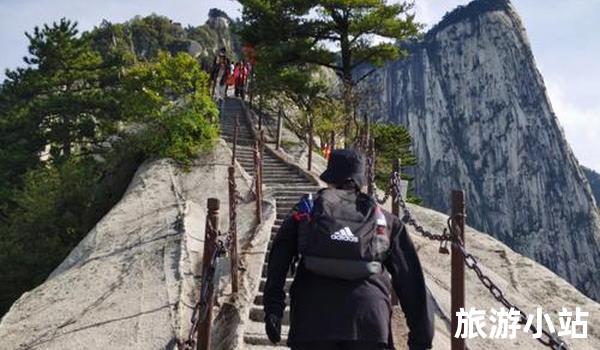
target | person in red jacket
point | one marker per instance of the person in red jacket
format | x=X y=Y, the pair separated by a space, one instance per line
x=347 y=246
x=240 y=75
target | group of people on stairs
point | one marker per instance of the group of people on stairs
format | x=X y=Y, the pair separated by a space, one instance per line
x=347 y=255
x=225 y=73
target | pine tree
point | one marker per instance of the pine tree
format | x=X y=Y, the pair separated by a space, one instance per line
x=65 y=91
x=343 y=35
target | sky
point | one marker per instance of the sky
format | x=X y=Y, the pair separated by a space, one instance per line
x=563 y=35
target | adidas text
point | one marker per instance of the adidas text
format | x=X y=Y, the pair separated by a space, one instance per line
x=344 y=235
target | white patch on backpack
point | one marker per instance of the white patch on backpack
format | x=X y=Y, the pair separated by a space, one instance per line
x=344 y=235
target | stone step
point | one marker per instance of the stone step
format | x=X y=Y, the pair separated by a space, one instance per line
x=258 y=300
x=255 y=337
x=282 y=172
x=257 y=314
x=282 y=180
x=266 y=164
x=288 y=283
x=292 y=192
x=230 y=130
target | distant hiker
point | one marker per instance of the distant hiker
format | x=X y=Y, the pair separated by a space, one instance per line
x=219 y=76
x=346 y=245
x=326 y=151
x=240 y=75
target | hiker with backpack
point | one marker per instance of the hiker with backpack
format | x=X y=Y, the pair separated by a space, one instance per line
x=345 y=247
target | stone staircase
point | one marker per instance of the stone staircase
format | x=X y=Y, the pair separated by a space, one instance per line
x=288 y=185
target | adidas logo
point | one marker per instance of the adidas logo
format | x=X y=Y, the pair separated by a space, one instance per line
x=344 y=235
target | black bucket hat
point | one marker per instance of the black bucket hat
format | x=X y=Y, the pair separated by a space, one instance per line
x=344 y=165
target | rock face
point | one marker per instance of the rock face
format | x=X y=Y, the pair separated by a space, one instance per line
x=477 y=108
x=216 y=33
x=132 y=282
x=594 y=180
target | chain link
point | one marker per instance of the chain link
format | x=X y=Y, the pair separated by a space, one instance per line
x=200 y=310
x=408 y=218
x=450 y=234
x=548 y=339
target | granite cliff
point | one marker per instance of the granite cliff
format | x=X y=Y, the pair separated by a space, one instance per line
x=594 y=180
x=481 y=120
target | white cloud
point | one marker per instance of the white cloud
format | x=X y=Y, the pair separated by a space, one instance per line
x=581 y=125
x=430 y=12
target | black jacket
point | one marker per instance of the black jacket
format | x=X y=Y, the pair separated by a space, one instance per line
x=334 y=309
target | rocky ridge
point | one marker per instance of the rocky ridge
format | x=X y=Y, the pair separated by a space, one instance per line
x=477 y=109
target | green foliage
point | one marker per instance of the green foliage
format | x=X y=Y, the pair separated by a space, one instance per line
x=64 y=92
x=177 y=129
x=142 y=38
x=329 y=118
x=47 y=222
x=392 y=141
x=64 y=161
x=299 y=30
x=304 y=32
x=62 y=102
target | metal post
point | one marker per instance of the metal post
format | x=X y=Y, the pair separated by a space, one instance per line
x=371 y=170
x=310 y=142
x=457 y=280
x=236 y=132
x=279 y=127
x=395 y=202
x=366 y=132
x=260 y=113
x=261 y=152
x=396 y=211
x=332 y=140
x=210 y=244
x=257 y=181
x=233 y=230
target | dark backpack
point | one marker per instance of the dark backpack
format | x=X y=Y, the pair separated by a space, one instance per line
x=344 y=236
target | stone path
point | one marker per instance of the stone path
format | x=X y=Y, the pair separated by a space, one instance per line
x=288 y=185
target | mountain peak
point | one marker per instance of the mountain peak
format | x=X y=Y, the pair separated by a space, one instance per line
x=470 y=11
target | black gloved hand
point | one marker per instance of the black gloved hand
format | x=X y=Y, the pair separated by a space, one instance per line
x=419 y=347
x=273 y=327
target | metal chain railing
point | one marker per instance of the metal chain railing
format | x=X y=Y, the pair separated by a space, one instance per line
x=548 y=339
x=407 y=217
x=200 y=310
x=450 y=235
x=216 y=245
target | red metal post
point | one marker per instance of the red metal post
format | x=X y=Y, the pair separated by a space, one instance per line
x=233 y=230
x=457 y=280
x=210 y=245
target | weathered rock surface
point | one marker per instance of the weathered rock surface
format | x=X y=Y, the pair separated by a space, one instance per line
x=524 y=282
x=594 y=180
x=481 y=120
x=131 y=283
x=207 y=39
